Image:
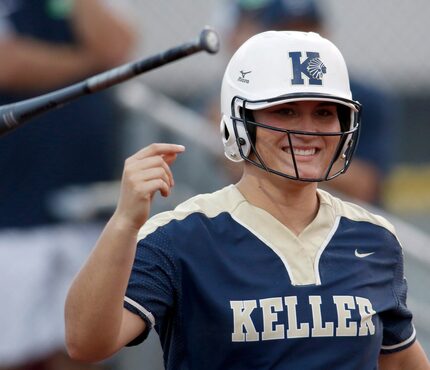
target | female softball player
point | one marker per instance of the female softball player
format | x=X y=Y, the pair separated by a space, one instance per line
x=269 y=273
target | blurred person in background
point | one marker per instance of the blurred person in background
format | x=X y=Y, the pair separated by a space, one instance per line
x=46 y=45
x=373 y=158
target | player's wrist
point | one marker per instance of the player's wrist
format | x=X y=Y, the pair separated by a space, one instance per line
x=124 y=223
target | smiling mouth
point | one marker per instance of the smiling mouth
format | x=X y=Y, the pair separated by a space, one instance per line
x=300 y=151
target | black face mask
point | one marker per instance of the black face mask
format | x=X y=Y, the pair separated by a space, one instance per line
x=348 y=138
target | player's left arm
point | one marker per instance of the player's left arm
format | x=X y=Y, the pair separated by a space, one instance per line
x=104 y=40
x=105 y=31
x=412 y=358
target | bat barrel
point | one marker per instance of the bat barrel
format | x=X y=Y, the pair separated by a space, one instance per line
x=208 y=40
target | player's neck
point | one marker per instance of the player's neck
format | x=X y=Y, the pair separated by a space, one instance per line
x=293 y=203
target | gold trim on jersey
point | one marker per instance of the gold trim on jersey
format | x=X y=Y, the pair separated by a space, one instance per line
x=300 y=254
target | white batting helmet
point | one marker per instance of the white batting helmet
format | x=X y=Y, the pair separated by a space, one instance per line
x=276 y=67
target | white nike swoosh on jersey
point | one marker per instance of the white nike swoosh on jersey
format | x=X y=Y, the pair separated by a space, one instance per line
x=362 y=255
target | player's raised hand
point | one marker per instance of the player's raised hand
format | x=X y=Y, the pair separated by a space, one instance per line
x=145 y=173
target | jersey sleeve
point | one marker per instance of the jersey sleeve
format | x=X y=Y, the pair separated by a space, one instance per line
x=399 y=332
x=151 y=291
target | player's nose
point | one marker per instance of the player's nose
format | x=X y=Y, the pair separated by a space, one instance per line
x=306 y=123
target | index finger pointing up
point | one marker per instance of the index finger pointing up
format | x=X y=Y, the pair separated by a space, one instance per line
x=158 y=149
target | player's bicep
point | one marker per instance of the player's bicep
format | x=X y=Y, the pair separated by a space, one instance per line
x=132 y=326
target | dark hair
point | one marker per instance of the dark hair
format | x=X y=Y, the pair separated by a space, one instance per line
x=344 y=116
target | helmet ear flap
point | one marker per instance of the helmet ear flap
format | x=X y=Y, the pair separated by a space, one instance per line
x=232 y=142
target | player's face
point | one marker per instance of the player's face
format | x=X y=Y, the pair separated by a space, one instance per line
x=312 y=153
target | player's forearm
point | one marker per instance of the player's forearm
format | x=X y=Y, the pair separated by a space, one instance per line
x=29 y=65
x=95 y=327
x=94 y=304
x=412 y=358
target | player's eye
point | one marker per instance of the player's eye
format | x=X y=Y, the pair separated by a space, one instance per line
x=284 y=111
x=326 y=112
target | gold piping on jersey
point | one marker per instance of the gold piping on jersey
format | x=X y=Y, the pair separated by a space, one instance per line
x=301 y=253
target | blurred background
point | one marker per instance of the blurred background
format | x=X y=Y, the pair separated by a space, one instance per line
x=68 y=169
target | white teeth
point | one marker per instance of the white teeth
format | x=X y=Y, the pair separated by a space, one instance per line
x=297 y=151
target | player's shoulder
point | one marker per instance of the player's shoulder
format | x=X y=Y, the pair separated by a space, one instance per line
x=354 y=212
x=207 y=205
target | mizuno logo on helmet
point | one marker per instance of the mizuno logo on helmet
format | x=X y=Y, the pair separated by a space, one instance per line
x=242 y=78
x=312 y=67
x=244 y=73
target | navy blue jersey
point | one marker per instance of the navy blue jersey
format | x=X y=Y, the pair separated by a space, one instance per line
x=227 y=286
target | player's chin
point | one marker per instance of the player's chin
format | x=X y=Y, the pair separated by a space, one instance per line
x=306 y=171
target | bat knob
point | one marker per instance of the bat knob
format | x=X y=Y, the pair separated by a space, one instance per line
x=209 y=40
